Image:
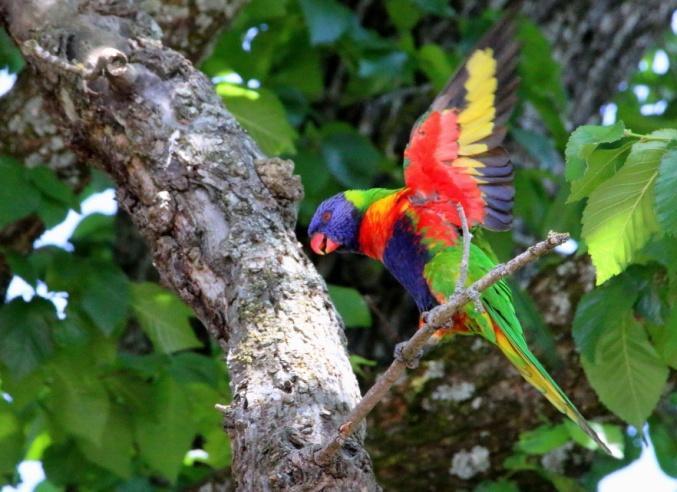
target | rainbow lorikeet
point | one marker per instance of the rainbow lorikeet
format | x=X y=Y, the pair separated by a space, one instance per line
x=454 y=156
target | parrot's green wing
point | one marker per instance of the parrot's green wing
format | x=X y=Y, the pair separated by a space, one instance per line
x=499 y=324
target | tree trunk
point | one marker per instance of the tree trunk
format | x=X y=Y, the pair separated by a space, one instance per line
x=218 y=217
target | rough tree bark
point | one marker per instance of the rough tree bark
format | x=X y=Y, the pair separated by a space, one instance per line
x=29 y=133
x=218 y=216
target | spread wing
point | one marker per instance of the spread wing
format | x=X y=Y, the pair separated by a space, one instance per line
x=454 y=152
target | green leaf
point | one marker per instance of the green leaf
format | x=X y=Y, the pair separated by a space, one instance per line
x=435 y=64
x=18 y=196
x=611 y=434
x=350 y=157
x=10 y=56
x=26 y=335
x=327 y=20
x=261 y=113
x=436 y=7
x=498 y=486
x=628 y=375
x=163 y=317
x=303 y=73
x=664 y=338
x=105 y=296
x=218 y=448
x=543 y=439
x=602 y=162
x=47 y=182
x=165 y=437
x=583 y=135
x=619 y=218
x=95 y=228
x=79 y=401
x=115 y=451
x=664 y=438
x=403 y=13
x=357 y=361
x=189 y=367
x=351 y=306
x=666 y=192
x=541 y=79
x=599 y=311
x=11 y=440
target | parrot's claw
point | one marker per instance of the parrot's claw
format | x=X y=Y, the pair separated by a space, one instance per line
x=410 y=362
x=476 y=300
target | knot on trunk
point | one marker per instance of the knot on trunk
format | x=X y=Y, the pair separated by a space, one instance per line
x=278 y=176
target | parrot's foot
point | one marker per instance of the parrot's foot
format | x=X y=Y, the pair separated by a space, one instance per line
x=410 y=362
x=476 y=300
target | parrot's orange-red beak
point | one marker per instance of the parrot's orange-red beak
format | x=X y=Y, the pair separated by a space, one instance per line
x=321 y=244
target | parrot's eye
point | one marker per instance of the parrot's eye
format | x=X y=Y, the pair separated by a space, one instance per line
x=326 y=216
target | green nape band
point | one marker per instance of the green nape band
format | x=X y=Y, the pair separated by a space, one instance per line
x=363 y=198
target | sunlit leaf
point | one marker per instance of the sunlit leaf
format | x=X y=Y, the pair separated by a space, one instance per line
x=583 y=135
x=543 y=439
x=620 y=217
x=602 y=162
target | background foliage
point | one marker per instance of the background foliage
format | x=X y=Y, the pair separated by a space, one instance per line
x=113 y=384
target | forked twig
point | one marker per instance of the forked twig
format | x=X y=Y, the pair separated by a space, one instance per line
x=435 y=319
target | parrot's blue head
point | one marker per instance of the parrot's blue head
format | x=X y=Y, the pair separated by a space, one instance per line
x=335 y=226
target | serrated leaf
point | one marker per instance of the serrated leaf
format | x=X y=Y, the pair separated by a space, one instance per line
x=261 y=113
x=627 y=375
x=598 y=312
x=587 y=134
x=543 y=439
x=619 y=218
x=163 y=317
x=164 y=438
x=602 y=163
x=327 y=20
x=350 y=305
x=26 y=335
x=666 y=192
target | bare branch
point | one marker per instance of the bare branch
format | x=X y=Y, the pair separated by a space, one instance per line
x=435 y=319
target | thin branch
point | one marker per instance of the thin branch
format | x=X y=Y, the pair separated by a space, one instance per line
x=435 y=319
